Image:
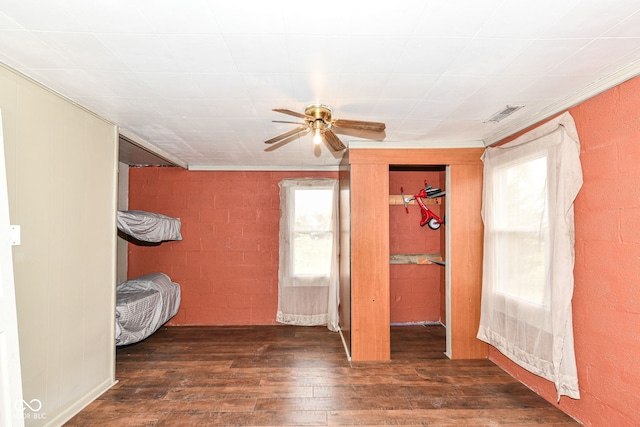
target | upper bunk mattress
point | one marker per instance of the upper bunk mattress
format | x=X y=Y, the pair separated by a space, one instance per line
x=149 y=226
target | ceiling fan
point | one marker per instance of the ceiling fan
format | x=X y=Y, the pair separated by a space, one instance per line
x=317 y=118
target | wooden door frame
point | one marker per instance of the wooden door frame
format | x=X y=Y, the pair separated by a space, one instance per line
x=370 y=305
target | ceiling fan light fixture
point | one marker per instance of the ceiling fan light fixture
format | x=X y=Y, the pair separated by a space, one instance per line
x=318 y=121
x=317 y=137
x=318 y=127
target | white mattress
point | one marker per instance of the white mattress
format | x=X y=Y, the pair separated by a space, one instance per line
x=149 y=226
x=143 y=305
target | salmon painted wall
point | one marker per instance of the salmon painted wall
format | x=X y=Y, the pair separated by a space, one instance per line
x=227 y=262
x=415 y=291
x=606 y=300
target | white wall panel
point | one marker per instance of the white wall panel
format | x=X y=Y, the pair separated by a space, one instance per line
x=61 y=173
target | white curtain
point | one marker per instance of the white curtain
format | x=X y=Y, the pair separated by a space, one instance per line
x=530 y=185
x=308 y=275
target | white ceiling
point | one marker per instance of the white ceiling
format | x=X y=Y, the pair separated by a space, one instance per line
x=196 y=80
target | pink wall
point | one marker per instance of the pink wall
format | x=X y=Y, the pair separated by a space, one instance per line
x=606 y=302
x=415 y=293
x=227 y=262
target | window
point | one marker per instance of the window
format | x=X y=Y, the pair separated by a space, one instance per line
x=522 y=230
x=530 y=185
x=308 y=268
x=312 y=210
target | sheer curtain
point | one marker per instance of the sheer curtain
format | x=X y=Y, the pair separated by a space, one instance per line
x=530 y=185
x=308 y=277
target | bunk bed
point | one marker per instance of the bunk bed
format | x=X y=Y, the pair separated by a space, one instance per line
x=145 y=303
x=149 y=226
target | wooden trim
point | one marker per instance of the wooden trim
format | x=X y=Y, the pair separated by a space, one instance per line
x=417 y=156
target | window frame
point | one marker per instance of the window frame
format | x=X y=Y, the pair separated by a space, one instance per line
x=287 y=275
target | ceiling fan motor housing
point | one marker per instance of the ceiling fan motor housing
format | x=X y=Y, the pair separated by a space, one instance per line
x=320 y=112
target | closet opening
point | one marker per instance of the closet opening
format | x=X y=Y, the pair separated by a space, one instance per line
x=417 y=248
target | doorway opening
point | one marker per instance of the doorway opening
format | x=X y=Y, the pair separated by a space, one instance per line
x=417 y=247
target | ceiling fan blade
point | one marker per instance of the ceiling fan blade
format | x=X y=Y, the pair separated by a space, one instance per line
x=294 y=113
x=358 y=124
x=333 y=140
x=360 y=133
x=287 y=134
x=285 y=121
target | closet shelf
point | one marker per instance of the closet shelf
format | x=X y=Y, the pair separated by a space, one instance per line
x=396 y=199
x=421 y=259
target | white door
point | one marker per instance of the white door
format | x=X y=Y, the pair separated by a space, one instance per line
x=11 y=403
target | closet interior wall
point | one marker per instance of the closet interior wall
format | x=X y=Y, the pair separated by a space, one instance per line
x=416 y=290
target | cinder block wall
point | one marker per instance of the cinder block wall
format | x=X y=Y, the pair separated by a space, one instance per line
x=227 y=262
x=606 y=300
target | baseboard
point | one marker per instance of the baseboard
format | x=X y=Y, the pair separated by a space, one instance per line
x=82 y=403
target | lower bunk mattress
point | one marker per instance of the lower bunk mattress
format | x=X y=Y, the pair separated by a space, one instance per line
x=143 y=305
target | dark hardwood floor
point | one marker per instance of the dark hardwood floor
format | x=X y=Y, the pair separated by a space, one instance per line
x=299 y=376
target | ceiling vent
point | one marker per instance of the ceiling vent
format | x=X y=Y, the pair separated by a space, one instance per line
x=506 y=111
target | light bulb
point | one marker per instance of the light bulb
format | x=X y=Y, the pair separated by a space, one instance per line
x=317 y=137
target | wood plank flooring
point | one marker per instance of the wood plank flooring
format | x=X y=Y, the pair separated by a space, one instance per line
x=299 y=376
